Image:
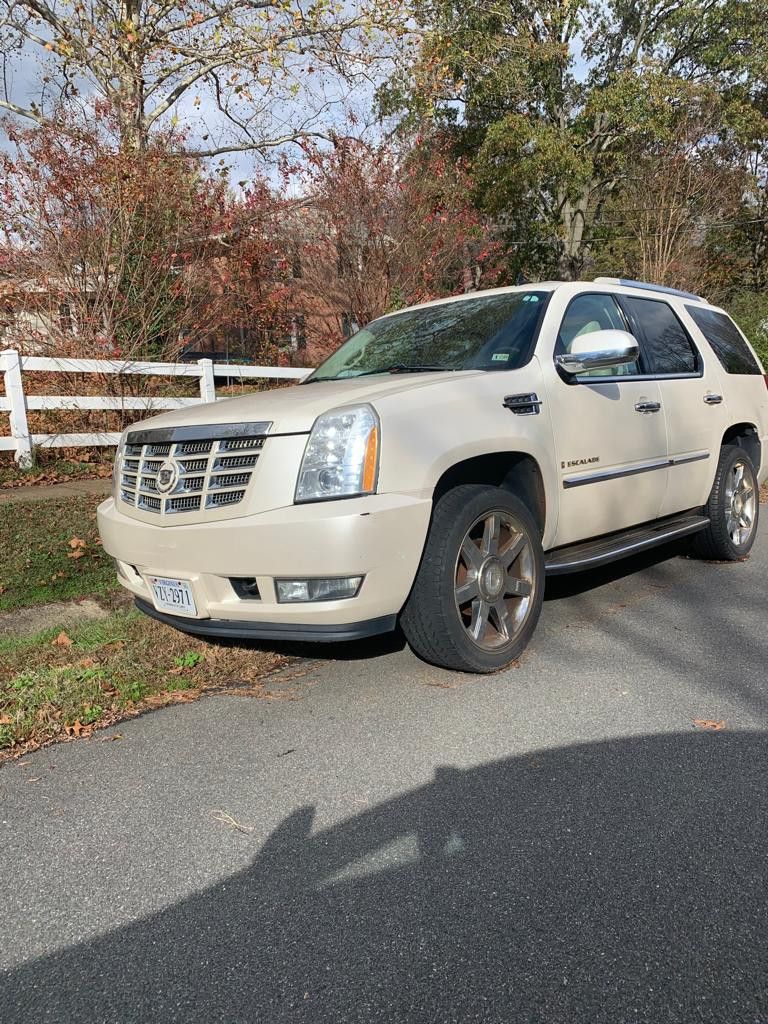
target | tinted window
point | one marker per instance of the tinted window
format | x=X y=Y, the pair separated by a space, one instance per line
x=585 y=315
x=724 y=337
x=665 y=342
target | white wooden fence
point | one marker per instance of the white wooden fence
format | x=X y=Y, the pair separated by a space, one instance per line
x=16 y=403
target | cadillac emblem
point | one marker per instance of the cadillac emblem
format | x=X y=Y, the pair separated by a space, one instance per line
x=167 y=476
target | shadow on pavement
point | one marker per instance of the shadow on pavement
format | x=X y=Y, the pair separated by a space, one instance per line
x=623 y=880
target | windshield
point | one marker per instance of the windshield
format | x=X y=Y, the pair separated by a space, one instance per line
x=492 y=332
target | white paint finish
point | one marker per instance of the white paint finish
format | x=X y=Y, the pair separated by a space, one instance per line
x=207 y=382
x=16 y=403
x=104 y=440
x=114 y=402
x=114 y=366
x=14 y=390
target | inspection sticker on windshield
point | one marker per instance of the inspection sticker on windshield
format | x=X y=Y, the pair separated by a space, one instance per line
x=172 y=595
x=500 y=357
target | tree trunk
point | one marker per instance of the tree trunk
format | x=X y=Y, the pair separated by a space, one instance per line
x=129 y=97
x=573 y=219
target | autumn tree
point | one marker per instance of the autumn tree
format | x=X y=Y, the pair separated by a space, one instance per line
x=112 y=253
x=379 y=227
x=250 y=59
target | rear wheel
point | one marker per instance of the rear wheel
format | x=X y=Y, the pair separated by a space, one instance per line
x=733 y=509
x=478 y=592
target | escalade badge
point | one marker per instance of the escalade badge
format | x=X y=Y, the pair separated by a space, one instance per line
x=167 y=476
x=579 y=462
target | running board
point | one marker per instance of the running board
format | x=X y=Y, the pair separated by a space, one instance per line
x=590 y=554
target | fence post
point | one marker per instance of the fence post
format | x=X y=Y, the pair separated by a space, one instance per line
x=207 y=380
x=14 y=391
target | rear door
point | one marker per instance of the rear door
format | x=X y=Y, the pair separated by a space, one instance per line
x=691 y=396
x=744 y=388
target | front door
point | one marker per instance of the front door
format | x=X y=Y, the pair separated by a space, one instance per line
x=609 y=431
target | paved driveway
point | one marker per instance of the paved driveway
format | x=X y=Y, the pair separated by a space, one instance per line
x=555 y=844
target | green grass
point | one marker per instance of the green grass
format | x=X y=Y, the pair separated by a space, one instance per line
x=36 y=563
x=47 y=470
x=53 y=687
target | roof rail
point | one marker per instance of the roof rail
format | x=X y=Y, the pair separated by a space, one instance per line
x=625 y=283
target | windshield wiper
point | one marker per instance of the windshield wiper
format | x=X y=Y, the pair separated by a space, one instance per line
x=413 y=368
x=394 y=368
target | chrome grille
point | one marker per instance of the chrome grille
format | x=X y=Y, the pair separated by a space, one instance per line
x=235 y=461
x=225 y=498
x=206 y=475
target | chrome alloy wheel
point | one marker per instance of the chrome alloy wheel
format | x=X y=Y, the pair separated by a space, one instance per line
x=739 y=503
x=493 y=580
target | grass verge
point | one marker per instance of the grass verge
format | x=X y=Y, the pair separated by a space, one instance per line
x=56 y=685
x=47 y=470
x=50 y=551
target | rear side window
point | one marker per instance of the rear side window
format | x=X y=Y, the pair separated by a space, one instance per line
x=726 y=341
x=667 y=349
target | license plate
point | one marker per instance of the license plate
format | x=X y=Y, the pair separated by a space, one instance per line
x=172 y=595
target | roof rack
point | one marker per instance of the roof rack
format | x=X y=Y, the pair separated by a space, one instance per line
x=625 y=283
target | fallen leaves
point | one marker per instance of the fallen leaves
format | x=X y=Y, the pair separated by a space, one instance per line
x=709 y=724
x=78 y=546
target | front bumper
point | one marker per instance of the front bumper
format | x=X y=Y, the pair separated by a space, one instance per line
x=314 y=632
x=380 y=537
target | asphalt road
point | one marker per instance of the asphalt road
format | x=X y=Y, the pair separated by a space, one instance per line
x=555 y=844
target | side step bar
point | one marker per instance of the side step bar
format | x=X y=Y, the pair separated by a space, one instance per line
x=590 y=554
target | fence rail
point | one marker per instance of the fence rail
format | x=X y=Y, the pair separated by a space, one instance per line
x=17 y=403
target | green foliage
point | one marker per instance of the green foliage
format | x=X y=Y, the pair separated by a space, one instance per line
x=555 y=104
x=132 y=691
x=57 y=695
x=750 y=311
x=36 y=556
x=188 y=659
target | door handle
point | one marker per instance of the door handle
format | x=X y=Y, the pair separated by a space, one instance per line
x=647 y=406
x=711 y=399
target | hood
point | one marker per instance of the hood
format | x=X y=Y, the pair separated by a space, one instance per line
x=293 y=410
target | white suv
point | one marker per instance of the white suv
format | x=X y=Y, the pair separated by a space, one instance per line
x=441 y=463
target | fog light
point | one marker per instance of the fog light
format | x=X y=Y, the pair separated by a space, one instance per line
x=317 y=590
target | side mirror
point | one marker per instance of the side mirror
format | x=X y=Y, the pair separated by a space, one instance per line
x=599 y=350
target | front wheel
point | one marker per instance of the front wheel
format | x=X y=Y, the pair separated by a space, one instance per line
x=479 y=589
x=733 y=509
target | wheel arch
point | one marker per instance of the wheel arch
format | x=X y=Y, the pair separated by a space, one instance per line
x=514 y=471
x=746 y=436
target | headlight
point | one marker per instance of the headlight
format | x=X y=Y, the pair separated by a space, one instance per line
x=341 y=459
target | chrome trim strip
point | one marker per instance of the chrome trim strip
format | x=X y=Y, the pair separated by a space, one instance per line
x=680 y=460
x=203 y=432
x=613 y=474
x=640 y=467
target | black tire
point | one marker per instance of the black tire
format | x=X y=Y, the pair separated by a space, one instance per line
x=436 y=621
x=724 y=540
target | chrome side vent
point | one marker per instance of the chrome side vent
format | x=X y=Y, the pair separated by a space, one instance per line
x=523 y=405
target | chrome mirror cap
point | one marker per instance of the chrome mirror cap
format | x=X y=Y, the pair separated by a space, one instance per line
x=599 y=350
